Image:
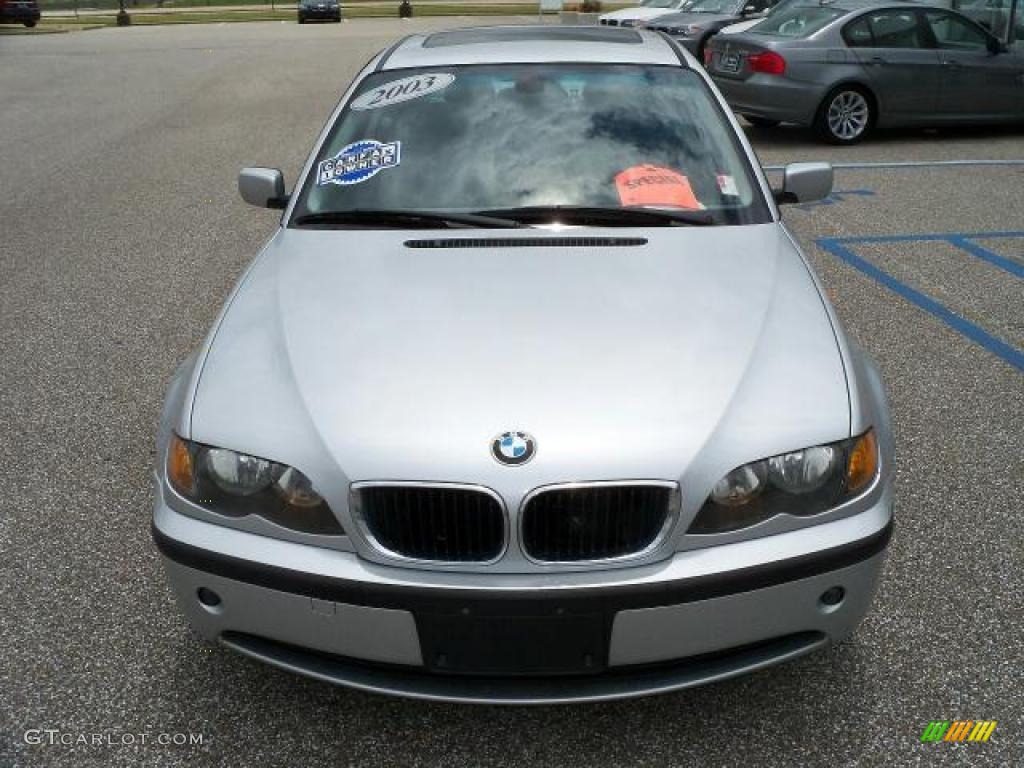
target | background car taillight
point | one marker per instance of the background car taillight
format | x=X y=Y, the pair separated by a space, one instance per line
x=708 y=56
x=767 y=62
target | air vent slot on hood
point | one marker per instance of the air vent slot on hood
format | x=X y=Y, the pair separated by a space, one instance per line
x=527 y=242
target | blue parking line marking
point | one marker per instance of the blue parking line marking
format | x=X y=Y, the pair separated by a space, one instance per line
x=985 y=254
x=961 y=240
x=837 y=196
x=924 y=237
x=840 y=247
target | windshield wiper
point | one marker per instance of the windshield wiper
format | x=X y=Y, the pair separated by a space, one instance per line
x=359 y=218
x=600 y=216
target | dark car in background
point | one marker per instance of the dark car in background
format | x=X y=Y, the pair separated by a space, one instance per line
x=848 y=66
x=695 y=26
x=319 y=10
x=19 y=12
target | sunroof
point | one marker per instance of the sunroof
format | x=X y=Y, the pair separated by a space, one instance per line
x=539 y=33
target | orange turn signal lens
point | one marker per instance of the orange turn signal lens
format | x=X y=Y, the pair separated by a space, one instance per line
x=180 y=467
x=863 y=464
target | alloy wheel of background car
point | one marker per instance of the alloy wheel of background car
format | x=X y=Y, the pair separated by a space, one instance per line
x=846 y=116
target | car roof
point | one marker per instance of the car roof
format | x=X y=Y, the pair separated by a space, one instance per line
x=668 y=19
x=860 y=5
x=537 y=43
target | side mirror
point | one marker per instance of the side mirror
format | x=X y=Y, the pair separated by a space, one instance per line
x=995 y=45
x=805 y=183
x=262 y=187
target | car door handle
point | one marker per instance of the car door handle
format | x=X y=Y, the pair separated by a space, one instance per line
x=875 y=60
x=950 y=63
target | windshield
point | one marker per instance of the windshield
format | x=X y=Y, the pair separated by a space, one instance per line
x=715 y=6
x=796 y=20
x=660 y=3
x=472 y=138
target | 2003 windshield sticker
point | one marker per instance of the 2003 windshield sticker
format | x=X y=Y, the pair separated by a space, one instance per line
x=358 y=162
x=405 y=89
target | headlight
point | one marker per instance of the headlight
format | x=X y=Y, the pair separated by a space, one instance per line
x=684 y=31
x=236 y=484
x=803 y=482
x=803 y=471
x=237 y=474
x=741 y=485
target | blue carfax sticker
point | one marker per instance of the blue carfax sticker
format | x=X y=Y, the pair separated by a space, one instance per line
x=358 y=162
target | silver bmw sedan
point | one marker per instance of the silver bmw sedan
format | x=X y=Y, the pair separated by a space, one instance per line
x=849 y=66
x=531 y=397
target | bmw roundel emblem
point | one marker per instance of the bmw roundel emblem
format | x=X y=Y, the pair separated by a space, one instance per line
x=513 y=448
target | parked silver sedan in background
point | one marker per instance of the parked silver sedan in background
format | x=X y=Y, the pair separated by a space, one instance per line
x=642 y=13
x=849 y=66
x=696 y=25
x=531 y=397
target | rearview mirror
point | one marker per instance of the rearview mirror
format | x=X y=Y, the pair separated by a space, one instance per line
x=805 y=183
x=262 y=187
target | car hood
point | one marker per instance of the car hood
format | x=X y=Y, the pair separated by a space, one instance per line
x=638 y=13
x=740 y=26
x=351 y=355
x=703 y=19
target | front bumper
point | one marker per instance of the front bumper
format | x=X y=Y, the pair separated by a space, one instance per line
x=553 y=638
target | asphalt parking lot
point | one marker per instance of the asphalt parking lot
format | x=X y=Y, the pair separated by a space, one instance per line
x=121 y=233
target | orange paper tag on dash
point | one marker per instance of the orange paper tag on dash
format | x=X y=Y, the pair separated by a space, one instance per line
x=655 y=185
